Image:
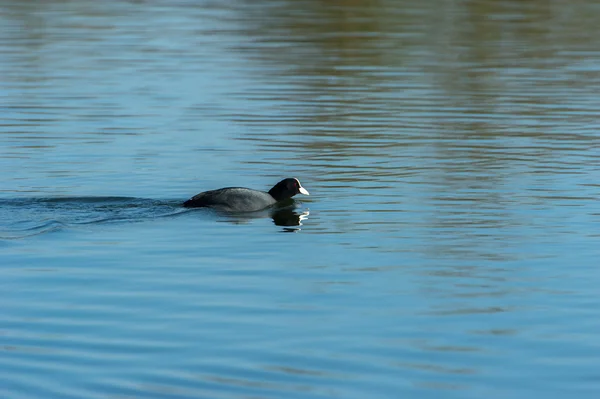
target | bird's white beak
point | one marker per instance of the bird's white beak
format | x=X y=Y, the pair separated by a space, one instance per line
x=303 y=191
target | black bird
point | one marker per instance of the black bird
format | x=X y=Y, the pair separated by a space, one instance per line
x=239 y=199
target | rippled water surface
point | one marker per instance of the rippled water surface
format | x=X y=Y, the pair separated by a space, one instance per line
x=449 y=247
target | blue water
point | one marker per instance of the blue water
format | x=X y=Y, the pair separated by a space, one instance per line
x=449 y=247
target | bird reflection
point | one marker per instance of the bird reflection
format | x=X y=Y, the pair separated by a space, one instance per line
x=287 y=217
x=290 y=219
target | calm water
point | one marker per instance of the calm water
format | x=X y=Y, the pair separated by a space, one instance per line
x=449 y=247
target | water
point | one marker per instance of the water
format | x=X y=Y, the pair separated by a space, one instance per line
x=449 y=246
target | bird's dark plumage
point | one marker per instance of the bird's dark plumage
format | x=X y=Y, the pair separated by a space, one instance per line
x=239 y=199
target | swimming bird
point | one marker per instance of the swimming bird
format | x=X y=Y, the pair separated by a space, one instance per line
x=240 y=199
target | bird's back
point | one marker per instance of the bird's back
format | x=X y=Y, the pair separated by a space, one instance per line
x=234 y=199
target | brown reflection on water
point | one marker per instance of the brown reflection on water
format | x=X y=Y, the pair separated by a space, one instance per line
x=481 y=107
x=374 y=78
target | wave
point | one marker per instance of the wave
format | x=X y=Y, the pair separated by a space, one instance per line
x=26 y=217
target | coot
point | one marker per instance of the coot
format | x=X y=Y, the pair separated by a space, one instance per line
x=239 y=199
